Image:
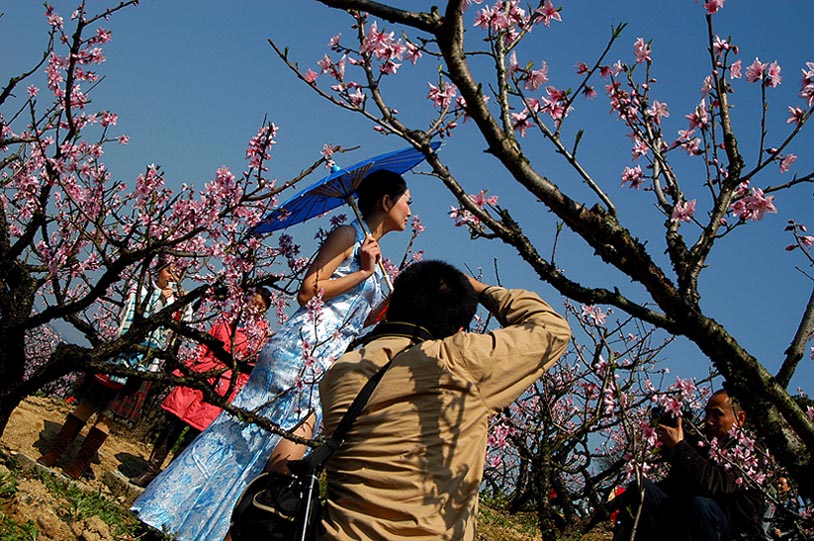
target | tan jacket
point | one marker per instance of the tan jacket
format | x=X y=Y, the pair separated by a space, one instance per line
x=412 y=464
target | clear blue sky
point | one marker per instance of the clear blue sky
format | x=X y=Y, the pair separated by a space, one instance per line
x=192 y=80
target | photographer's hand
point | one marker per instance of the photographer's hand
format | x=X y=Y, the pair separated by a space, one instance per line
x=669 y=436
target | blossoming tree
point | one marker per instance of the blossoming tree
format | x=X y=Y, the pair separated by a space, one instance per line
x=74 y=241
x=484 y=83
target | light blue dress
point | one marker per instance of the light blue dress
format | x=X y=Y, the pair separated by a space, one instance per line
x=193 y=498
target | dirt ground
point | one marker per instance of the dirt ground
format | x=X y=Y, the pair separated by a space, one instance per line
x=37 y=420
x=32 y=426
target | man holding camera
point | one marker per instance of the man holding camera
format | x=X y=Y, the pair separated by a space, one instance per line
x=411 y=465
x=700 y=499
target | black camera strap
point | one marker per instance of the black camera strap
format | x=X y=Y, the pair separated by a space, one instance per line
x=319 y=456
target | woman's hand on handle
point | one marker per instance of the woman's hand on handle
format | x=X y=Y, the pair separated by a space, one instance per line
x=370 y=253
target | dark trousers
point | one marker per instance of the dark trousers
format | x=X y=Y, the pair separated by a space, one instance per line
x=173 y=428
x=664 y=517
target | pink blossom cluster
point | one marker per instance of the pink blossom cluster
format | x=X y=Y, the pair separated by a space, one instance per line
x=388 y=50
x=713 y=6
x=260 y=145
x=683 y=211
x=751 y=203
x=443 y=95
x=807 y=84
x=508 y=18
x=633 y=175
x=801 y=241
x=768 y=74
x=464 y=217
x=742 y=456
x=594 y=314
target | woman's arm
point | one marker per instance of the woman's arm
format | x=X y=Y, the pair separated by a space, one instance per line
x=336 y=249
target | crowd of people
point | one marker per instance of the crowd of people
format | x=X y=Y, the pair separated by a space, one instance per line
x=411 y=466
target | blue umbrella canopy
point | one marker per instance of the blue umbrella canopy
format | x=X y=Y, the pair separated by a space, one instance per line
x=337 y=189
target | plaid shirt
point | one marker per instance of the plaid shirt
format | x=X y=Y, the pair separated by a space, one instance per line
x=156 y=339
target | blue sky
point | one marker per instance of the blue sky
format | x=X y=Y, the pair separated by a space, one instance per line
x=192 y=81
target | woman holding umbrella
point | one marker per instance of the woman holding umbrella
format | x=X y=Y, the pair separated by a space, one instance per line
x=194 y=496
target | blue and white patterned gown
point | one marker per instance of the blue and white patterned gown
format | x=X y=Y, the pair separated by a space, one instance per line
x=193 y=498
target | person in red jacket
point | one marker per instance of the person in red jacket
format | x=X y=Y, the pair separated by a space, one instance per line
x=186 y=407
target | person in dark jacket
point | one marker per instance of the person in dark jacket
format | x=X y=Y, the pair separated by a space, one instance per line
x=700 y=499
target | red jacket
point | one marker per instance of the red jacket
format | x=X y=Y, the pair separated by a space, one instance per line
x=188 y=404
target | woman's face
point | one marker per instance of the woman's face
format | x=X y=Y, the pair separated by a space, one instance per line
x=165 y=277
x=399 y=214
x=257 y=304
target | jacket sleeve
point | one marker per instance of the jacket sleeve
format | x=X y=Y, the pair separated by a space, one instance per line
x=505 y=362
x=205 y=360
x=699 y=473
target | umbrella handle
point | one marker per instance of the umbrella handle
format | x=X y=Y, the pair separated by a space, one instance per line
x=352 y=203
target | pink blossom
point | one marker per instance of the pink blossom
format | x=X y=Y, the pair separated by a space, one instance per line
x=658 y=110
x=416 y=225
x=581 y=68
x=692 y=146
x=548 y=13
x=640 y=148
x=796 y=115
x=642 y=51
x=589 y=92
x=32 y=90
x=463 y=217
x=481 y=200
x=108 y=119
x=123 y=140
x=442 y=97
x=595 y=315
x=807 y=84
x=521 y=122
x=260 y=145
x=536 y=78
x=735 y=69
x=356 y=98
x=334 y=41
x=756 y=71
x=773 y=78
x=712 y=6
x=786 y=162
x=327 y=151
x=325 y=63
x=720 y=45
x=706 y=87
x=683 y=211
x=752 y=204
x=632 y=175
x=53 y=18
x=311 y=76
x=700 y=118
x=413 y=53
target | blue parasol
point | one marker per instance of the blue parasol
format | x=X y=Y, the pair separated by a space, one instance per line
x=337 y=189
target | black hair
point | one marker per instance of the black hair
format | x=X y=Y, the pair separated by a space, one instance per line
x=266 y=294
x=375 y=186
x=434 y=295
x=161 y=263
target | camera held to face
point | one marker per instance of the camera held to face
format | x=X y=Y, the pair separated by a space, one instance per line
x=660 y=416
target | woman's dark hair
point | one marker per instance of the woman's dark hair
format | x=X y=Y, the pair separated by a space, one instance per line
x=266 y=294
x=434 y=295
x=375 y=186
